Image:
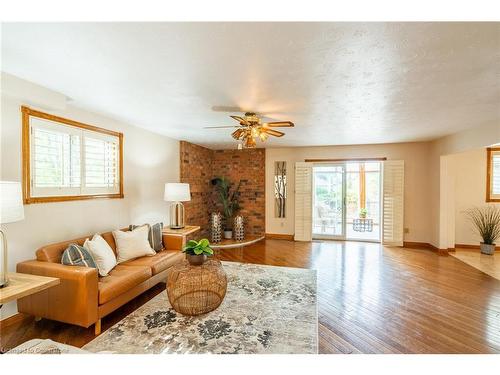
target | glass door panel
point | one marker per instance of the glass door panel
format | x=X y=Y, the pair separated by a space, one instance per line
x=328 y=201
x=363 y=201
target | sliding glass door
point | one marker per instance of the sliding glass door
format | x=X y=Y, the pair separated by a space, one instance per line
x=328 y=201
x=347 y=201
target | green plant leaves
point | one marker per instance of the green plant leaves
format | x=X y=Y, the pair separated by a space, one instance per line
x=198 y=247
x=487 y=222
x=198 y=250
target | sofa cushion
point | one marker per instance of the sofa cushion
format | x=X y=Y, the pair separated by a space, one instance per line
x=76 y=255
x=102 y=254
x=155 y=236
x=132 y=244
x=159 y=262
x=120 y=280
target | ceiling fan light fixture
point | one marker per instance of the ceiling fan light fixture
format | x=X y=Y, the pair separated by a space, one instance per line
x=250 y=127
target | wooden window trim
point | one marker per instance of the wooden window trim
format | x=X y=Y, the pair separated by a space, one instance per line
x=489 y=166
x=342 y=160
x=26 y=157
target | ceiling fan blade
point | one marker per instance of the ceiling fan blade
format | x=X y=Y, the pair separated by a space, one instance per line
x=220 y=127
x=279 y=124
x=241 y=120
x=273 y=132
x=237 y=133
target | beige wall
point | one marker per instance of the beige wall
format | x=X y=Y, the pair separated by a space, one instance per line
x=469 y=170
x=415 y=155
x=150 y=160
x=442 y=214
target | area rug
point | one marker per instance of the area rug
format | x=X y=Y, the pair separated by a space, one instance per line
x=266 y=310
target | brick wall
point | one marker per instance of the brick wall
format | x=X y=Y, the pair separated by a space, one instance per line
x=199 y=165
x=196 y=170
x=247 y=166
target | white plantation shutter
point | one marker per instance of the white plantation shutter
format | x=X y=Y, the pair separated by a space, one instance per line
x=55 y=159
x=303 y=201
x=71 y=161
x=393 y=203
x=101 y=159
x=495 y=175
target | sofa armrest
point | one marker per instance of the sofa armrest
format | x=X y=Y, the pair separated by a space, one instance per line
x=173 y=241
x=73 y=301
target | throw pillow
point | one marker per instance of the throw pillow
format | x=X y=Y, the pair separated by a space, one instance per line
x=133 y=244
x=102 y=253
x=76 y=255
x=155 y=236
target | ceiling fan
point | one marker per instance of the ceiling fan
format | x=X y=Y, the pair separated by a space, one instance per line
x=252 y=127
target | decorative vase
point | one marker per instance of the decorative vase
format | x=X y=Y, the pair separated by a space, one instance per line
x=488 y=249
x=239 y=228
x=216 y=227
x=196 y=260
x=228 y=234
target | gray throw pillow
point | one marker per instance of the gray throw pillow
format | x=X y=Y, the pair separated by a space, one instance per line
x=76 y=255
x=155 y=236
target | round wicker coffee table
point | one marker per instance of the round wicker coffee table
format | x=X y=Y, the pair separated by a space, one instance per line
x=195 y=290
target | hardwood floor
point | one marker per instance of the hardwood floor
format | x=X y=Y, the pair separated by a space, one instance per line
x=371 y=299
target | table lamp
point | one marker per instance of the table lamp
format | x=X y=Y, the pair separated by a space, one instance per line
x=11 y=210
x=177 y=193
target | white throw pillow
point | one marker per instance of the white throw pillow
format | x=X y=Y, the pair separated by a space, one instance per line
x=132 y=244
x=102 y=253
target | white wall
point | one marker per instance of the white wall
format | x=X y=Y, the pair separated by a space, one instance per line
x=442 y=216
x=150 y=160
x=415 y=155
x=470 y=191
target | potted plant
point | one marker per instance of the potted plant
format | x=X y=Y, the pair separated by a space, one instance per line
x=229 y=201
x=486 y=221
x=362 y=213
x=197 y=251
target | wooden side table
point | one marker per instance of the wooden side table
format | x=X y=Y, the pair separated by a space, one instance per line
x=176 y=239
x=22 y=284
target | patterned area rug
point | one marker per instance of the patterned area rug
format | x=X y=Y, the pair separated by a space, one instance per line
x=266 y=310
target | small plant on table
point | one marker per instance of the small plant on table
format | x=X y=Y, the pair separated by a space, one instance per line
x=197 y=251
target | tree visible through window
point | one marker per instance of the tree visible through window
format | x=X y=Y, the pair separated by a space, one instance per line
x=67 y=160
x=493 y=175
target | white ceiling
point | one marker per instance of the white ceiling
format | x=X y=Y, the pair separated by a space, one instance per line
x=340 y=83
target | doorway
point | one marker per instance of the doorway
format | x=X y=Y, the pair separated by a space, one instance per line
x=347 y=201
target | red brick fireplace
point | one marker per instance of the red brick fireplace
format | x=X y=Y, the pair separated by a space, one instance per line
x=199 y=165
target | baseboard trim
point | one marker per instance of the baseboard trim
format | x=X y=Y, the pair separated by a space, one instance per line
x=425 y=246
x=279 y=236
x=14 y=319
x=472 y=247
x=464 y=246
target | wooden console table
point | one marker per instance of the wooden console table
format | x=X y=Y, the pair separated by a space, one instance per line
x=176 y=239
x=22 y=284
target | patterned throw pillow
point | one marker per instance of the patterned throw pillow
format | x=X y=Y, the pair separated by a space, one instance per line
x=76 y=255
x=155 y=236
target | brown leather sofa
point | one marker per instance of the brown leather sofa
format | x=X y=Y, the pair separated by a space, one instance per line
x=82 y=297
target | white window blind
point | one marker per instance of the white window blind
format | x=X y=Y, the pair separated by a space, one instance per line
x=393 y=203
x=71 y=161
x=303 y=201
x=495 y=175
x=101 y=163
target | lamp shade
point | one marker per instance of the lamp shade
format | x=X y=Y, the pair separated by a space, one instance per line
x=11 y=202
x=177 y=192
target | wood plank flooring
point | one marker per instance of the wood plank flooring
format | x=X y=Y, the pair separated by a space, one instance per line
x=371 y=299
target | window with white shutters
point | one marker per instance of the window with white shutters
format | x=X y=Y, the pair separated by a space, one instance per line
x=67 y=160
x=303 y=201
x=493 y=175
x=393 y=202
